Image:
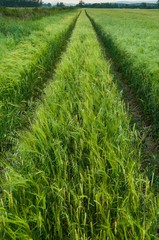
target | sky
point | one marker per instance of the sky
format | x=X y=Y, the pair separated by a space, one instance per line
x=93 y=1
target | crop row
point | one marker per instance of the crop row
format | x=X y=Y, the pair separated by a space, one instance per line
x=13 y=31
x=75 y=174
x=131 y=38
x=25 y=69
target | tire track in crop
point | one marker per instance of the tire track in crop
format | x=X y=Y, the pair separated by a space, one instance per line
x=28 y=106
x=149 y=144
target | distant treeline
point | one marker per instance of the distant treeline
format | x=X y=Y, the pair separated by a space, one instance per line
x=120 y=5
x=32 y=13
x=20 y=3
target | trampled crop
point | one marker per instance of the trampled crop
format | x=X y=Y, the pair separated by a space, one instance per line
x=75 y=174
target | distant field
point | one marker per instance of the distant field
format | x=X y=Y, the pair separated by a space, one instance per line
x=17 y=24
x=131 y=37
x=24 y=67
x=70 y=156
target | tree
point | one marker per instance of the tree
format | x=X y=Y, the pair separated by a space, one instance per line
x=60 y=4
x=81 y=3
x=49 y=5
x=20 y=3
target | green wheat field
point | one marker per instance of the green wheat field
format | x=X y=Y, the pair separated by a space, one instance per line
x=71 y=160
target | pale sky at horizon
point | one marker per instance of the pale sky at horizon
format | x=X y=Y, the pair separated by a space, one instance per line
x=93 y=1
